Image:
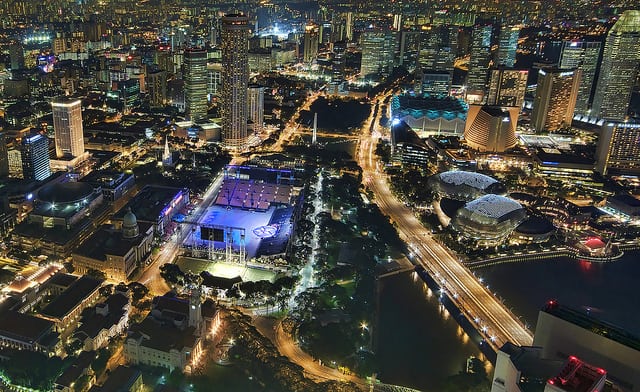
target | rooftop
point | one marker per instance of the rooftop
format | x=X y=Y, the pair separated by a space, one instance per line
x=24 y=327
x=71 y=297
x=121 y=379
x=150 y=203
x=493 y=206
x=431 y=106
x=577 y=376
x=108 y=241
x=592 y=324
x=475 y=180
x=67 y=192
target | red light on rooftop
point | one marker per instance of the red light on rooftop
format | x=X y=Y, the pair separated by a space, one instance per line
x=572 y=358
x=551 y=382
x=601 y=371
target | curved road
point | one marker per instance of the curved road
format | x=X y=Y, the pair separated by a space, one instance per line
x=494 y=320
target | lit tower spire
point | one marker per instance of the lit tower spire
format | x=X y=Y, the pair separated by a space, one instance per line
x=167 y=159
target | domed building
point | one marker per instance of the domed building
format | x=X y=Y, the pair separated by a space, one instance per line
x=465 y=186
x=117 y=253
x=488 y=220
x=63 y=213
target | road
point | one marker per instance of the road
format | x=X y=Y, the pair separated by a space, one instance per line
x=151 y=276
x=292 y=125
x=497 y=324
x=287 y=347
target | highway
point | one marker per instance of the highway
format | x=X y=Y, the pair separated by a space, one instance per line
x=496 y=323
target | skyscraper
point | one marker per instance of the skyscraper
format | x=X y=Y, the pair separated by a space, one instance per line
x=310 y=44
x=438 y=48
x=619 y=148
x=377 y=52
x=35 y=157
x=555 y=99
x=507 y=87
x=479 y=61
x=255 y=107
x=619 y=68
x=235 y=80
x=195 y=84
x=508 y=45
x=67 y=125
x=582 y=55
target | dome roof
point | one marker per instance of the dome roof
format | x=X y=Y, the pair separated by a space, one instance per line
x=129 y=219
x=493 y=206
x=472 y=179
x=67 y=192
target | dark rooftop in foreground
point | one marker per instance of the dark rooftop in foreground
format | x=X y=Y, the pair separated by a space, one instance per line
x=121 y=379
x=65 y=302
x=592 y=324
x=23 y=326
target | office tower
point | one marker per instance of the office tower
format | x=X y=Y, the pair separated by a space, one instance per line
x=555 y=99
x=377 y=52
x=67 y=126
x=433 y=82
x=255 y=107
x=35 y=157
x=438 y=48
x=195 y=84
x=563 y=331
x=157 y=87
x=409 y=49
x=618 y=148
x=16 y=56
x=619 y=68
x=4 y=156
x=235 y=80
x=508 y=45
x=507 y=87
x=582 y=55
x=491 y=128
x=326 y=32
x=310 y=44
x=479 y=61
x=338 y=61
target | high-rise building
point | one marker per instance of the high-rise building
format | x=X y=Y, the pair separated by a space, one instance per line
x=479 y=61
x=582 y=55
x=433 y=82
x=235 y=80
x=16 y=56
x=438 y=48
x=555 y=99
x=310 y=44
x=491 y=128
x=35 y=157
x=4 y=156
x=409 y=49
x=618 y=148
x=67 y=126
x=377 y=52
x=508 y=45
x=157 y=87
x=348 y=30
x=619 y=68
x=255 y=107
x=195 y=84
x=507 y=87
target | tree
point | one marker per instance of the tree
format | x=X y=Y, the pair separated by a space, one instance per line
x=94 y=273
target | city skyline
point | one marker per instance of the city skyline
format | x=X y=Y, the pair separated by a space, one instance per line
x=303 y=196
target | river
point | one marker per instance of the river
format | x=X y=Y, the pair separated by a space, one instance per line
x=419 y=343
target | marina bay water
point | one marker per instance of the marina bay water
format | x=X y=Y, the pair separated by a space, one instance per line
x=608 y=291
